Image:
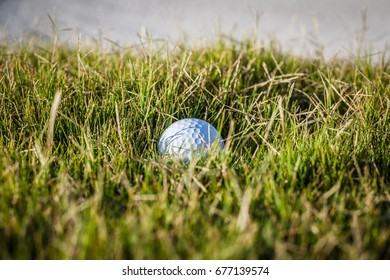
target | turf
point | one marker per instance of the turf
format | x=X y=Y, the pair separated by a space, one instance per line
x=305 y=173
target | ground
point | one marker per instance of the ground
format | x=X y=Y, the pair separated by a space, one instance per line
x=304 y=173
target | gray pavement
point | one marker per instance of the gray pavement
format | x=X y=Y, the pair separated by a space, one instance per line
x=333 y=27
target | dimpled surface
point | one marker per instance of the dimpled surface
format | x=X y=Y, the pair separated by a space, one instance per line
x=189 y=137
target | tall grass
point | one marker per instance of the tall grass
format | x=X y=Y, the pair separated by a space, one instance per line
x=304 y=174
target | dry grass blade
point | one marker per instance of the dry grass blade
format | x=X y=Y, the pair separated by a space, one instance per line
x=119 y=126
x=50 y=130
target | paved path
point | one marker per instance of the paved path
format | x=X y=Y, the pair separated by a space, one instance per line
x=336 y=27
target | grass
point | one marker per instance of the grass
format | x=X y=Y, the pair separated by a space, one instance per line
x=304 y=175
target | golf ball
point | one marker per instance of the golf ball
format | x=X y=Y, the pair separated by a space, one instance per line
x=188 y=138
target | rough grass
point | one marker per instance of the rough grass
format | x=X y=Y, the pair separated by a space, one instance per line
x=305 y=173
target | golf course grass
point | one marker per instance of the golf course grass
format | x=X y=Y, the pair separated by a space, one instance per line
x=305 y=173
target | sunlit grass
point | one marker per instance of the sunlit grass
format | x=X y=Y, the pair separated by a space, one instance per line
x=304 y=174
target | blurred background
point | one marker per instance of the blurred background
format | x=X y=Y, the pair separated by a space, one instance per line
x=307 y=27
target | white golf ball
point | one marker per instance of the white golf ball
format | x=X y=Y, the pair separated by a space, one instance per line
x=189 y=138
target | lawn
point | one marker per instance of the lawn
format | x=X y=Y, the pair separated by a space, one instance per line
x=305 y=172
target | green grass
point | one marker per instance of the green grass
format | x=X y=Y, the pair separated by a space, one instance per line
x=305 y=173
